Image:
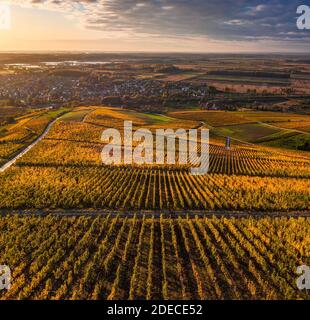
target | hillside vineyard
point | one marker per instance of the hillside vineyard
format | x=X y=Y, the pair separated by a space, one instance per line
x=65 y=171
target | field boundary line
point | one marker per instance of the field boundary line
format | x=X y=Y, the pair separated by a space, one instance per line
x=157 y=213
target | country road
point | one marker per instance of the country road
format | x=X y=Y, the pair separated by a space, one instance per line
x=156 y=213
x=12 y=161
x=281 y=128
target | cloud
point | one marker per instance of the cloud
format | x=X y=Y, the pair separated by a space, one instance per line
x=219 y=20
x=236 y=22
x=252 y=11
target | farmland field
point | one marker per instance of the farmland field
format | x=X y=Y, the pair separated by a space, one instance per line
x=155 y=157
x=295 y=125
x=153 y=258
x=122 y=253
x=248 y=132
x=179 y=76
x=247 y=80
x=272 y=129
x=213 y=118
x=65 y=171
x=15 y=137
x=9 y=111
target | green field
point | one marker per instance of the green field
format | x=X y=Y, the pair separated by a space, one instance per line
x=291 y=140
x=247 y=132
x=158 y=117
x=78 y=115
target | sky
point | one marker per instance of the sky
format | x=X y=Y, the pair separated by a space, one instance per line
x=155 y=26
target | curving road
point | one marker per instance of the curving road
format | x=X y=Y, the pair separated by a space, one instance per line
x=12 y=161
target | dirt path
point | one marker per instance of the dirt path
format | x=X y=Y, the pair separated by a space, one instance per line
x=276 y=127
x=12 y=161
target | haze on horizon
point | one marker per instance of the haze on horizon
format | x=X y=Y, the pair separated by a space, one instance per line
x=155 y=26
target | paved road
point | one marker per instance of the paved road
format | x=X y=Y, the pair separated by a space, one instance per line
x=12 y=161
x=157 y=213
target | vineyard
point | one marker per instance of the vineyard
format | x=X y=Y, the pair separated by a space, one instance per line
x=274 y=129
x=125 y=188
x=153 y=258
x=166 y=253
x=296 y=125
x=65 y=171
x=142 y=172
x=15 y=137
x=220 y=118
x=212 y=118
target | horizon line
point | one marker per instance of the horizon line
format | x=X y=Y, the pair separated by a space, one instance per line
x=150 y=52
